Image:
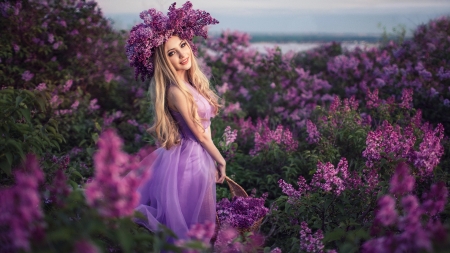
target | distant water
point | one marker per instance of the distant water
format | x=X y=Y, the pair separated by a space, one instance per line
x=305 y=46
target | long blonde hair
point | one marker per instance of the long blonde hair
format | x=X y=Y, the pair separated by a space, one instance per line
x=164 y=126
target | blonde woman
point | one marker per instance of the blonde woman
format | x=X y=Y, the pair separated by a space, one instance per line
x=181 y=191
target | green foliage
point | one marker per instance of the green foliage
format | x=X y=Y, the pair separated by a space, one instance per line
x=25 y=127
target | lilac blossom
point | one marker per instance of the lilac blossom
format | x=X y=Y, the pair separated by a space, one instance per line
x=313 y=133
x=93 y=105
x=386 y=214
x=335 y=104
x=21 y=215
x=390 y=140
x=232 y=107
x=311 y=242
x=109 y=193
x=228 y=241
x=222 y=89
x=57 y=44
x=293 y=194
x=41 y=87
x=108 y=76
x=67 y=86
x=85 y=246
x=75 y=104
x=241 y=212
x=280 y=136
x=55 y=101
x=51 y=38
x=401 y=182
x=27 y=76
x=16 y=47
x=200 y=233
x=407 y=97
x=108 y=120
x=430 y=151
x=133 y=122
x=443 y=74
x=331 y=179
x=230 y=136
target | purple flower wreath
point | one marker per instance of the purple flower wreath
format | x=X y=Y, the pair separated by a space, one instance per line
x=157 y=29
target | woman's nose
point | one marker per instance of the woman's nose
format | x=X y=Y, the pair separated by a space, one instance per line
x=181 y=54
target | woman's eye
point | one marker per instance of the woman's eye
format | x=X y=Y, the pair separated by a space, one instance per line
x=184 y=44
x=171 y=53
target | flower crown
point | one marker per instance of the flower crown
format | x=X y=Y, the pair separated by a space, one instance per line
x=157 y=29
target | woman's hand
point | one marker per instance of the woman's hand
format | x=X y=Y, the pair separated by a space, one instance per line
x=220 y=173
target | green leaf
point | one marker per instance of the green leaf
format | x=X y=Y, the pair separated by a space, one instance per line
x=19 y=100
x=26 y=114
x=5 y=167
x=73 y=184
x=17 y=146
x=90 y=151
x=51 y=129
x=97 y=125
x=75 y=172
x=95 y=137
x=334 y=235
x=124 y=240
x=9 y=158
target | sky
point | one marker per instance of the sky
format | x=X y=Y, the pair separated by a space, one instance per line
x=294 y=16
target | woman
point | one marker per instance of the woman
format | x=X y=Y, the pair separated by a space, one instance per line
x=181 y=190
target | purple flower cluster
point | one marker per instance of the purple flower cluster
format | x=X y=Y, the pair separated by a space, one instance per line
x=407 y=98
x=230 y=136
x=21 y=216
x=157 y=28
x=85 y=246
x=109 y=192
x=414 y=222
x=293 y=194
x=198 y=232
x=27 y=76
x=392 y=142
x=232 y=107
x=372 y=100
x=330 y=179
x=310 y=242
x=93 y=106
x=59 y=189
x=327 y=178
x=313 y=134
x=264 y=137
x=241 y=212
x=108 y=120
x=430 y=150
x=229 y=241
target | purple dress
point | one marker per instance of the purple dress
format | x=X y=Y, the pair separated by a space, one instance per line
x=181 y=190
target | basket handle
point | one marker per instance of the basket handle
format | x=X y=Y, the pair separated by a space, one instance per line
x=235 y=189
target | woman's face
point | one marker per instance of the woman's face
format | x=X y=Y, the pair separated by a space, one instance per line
x=179 y=53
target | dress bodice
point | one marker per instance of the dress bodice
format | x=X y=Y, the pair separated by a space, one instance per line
x=204 y=110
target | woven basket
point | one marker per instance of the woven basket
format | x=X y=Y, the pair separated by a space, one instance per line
x=237 y=190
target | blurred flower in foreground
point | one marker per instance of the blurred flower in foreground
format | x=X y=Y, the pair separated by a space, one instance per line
x=21 y=216
x=415 y=224
x=110 y=192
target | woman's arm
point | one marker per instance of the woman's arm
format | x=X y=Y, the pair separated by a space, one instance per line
x=203 y=136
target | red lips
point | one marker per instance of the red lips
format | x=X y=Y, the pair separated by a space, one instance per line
x=185 y=61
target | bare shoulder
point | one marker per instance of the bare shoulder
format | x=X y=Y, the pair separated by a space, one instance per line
x=175 y=97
